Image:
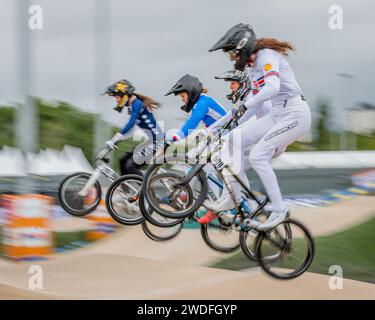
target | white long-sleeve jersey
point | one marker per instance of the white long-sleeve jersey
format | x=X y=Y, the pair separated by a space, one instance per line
x=272 y=79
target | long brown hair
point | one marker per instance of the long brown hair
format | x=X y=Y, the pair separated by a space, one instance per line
x=150 y=103
x=282 y=47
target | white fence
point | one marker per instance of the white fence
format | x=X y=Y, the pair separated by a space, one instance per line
x=13 y=163
x=71 y=159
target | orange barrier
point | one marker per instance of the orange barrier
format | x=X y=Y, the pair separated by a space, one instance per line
x=104 y=224
x=27 y=234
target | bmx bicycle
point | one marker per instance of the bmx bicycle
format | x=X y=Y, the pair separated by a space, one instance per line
x=285 y=251
x=218 y=234
x=80 y=193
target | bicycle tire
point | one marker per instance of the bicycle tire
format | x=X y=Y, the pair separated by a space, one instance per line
x=176 y=214
x=108 y=201
x=66 y=207
x=153 y=236
x=306 y=263
x=148 y=215
x=212 y=244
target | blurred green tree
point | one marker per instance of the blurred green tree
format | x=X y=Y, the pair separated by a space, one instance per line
x=59 y=124
x=7 y=118
x=323 y=137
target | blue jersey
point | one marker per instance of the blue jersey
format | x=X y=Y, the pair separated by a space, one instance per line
x=207 y=110
x=139 y=115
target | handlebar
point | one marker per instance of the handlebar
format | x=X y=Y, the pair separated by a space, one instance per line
x=103 y=153
x=236 y=116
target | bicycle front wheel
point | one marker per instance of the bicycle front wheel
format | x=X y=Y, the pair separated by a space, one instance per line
x=72 y=201
x=122 y=199
x=166 y=194
x=286 y=251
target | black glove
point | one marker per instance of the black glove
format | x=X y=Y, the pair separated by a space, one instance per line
x=239 y=111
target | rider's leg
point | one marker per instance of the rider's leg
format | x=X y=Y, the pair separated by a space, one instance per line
x=225 y=201
x=132 y=168
x=143 y=154
x=214 y=181
x=239 y=140
x=124 y=158
x=216 y=186
x=289 y=127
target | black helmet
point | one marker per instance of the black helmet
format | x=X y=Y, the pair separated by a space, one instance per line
x=233 y=75
x=192 y=86
x=238 y=41
x=123 y=89
x=242 y=78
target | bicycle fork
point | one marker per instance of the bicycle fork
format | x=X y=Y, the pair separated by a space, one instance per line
x=93 y=178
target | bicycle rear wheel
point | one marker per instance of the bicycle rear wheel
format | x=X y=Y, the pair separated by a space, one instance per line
x=220 y=237
x=153 y=217
x=161 y=234
x=248 y=238
x=247 y=243
x=286 y=251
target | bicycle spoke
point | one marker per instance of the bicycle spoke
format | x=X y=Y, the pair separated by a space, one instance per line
x=295 y=250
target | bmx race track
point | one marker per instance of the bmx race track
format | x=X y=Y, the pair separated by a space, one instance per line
x=127 y=265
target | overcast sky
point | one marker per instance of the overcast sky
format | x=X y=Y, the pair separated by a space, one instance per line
x=153 y=43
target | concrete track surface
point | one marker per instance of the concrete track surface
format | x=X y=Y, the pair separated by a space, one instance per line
x=127 y=265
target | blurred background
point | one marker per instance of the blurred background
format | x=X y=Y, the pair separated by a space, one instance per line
x=57 y=58
x=53 y=119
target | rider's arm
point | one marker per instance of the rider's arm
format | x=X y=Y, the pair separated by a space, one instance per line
x=262 y=111
x=219 y=123
x=199 y=111
x=246 y=116
x=136 y=108
x=115 y=139
x=269 y=62
x=127 y=130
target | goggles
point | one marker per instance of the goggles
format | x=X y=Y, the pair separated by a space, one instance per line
x=232 y=54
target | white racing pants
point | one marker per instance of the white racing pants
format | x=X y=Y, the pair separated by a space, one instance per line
x=264 y=138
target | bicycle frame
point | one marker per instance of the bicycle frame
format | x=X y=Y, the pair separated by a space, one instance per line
x=102 y=169
x=239 y=206
x=199 y=167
